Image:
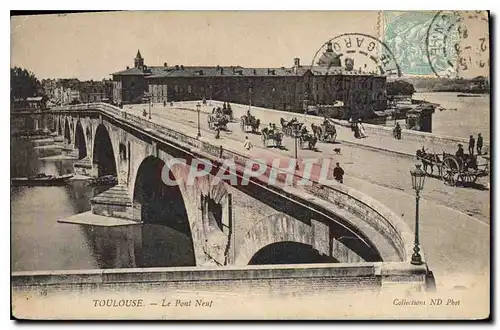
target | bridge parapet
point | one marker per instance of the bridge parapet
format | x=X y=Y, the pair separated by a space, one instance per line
x=338 y=198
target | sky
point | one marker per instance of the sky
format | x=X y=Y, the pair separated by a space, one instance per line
x=94 y=45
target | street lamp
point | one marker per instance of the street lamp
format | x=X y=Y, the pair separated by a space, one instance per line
x=198 y=106
x=250 y=97
x=417 y=180
x=296 y=133
x=149 y=109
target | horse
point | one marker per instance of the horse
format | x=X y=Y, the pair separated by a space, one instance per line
x=428 y=159
x=310 y=139
x=317 y=131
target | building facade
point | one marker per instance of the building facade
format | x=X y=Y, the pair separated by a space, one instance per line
x=68 y=91
x=96 y=91
x=290 y=89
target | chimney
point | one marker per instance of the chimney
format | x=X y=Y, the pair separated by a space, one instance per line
x=182 y=67
x=296 y=65
x=176 y=67
x=165 y=64
x=329 y=47
x=128 y=67
x=221 y=70
x=232 y=67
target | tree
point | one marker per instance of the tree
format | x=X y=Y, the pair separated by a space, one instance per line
x=23 y=84
x=400 y=87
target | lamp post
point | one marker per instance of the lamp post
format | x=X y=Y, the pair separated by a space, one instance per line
x=250 y=97
x=417 y=180
x=210 y=103
x=198 y=106
x=149 y=103
x=296 y=135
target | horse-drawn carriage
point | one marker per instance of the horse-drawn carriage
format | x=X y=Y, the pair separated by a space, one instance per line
x=249 y=121
x=306 y=138
x=325 y=132
x=271 y=133
x=452 y=169
x=295 y=129
x=217 y=120
x=227 y=111
x=290 y=127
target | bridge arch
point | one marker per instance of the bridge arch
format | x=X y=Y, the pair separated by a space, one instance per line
x=103 y=154
x=303 y=241
x=287 y=252
x=167 y=232
x=80 y=140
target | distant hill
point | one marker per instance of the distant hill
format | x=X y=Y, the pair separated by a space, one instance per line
x=399 y=87
x=434 y=84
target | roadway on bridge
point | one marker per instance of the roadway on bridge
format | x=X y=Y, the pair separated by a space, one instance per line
x=454 y=221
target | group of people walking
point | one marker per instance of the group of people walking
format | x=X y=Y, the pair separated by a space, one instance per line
x=478 y=144
x=358 y=128
x=474 y=145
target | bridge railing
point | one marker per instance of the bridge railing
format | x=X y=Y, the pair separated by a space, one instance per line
x=374 y=213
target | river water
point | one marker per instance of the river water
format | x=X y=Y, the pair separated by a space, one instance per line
x=472 y=114
x=39 y=242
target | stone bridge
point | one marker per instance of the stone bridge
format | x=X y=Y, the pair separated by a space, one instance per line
x=226 y=224
x=333 y=221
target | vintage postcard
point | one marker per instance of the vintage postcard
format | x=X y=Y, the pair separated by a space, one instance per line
x=191 y=165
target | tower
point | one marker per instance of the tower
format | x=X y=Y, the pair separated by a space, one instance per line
x=329 y=58
x=138 y=60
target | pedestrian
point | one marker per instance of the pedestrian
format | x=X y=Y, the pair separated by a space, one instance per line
x=355 y=129
x=217 y=133
x=479 y=144
x=164 y=103
x=362 y=132
x=248 y=144
x=338 y=173
x=472 y=142
x=460 y=151
x=397 y=131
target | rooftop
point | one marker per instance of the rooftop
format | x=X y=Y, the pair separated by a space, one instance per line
x=153 y=72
